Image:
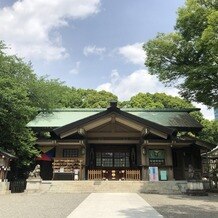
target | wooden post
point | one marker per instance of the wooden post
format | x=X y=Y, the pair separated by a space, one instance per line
x=80 y=170
x=208 y=170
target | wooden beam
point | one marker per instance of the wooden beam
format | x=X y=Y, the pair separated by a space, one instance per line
x=102 y=141
x=46 y=142
x=129 y=123
x=159 y=133
x=166 y=142
x=59 y=142
x=113 y=134
x=79 y=142
x=96 y=123
x=70 y=132
x=86 y=127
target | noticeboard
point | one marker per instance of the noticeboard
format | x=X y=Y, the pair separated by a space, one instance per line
x=153 y=174
x=163 y=175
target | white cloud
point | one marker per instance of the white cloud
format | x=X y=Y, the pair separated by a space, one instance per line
x=138 y=81
x=141 y=81
x=208 y=113
x=114 y=76
x=93 y=50
x=133 y=53
x=28 y=25
x=75 y=70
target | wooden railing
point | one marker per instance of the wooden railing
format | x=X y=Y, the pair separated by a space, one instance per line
x=94 y=174
x=126 y=175
x=133 y=175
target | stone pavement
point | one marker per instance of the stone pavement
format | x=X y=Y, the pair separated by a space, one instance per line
x=130 y=205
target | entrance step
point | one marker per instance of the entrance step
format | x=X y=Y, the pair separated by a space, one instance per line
x=163 y=187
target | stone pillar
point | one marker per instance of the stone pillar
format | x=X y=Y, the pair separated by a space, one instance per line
x=4 y=187
x=145 y=173
x=33 y=185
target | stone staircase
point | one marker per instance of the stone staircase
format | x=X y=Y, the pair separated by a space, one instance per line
x=162 y=187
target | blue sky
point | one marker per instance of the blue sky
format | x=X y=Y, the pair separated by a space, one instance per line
x=90 y=43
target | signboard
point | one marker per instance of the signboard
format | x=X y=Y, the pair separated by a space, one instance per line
x=163 y=175
x=153 y=174
x=156 y=154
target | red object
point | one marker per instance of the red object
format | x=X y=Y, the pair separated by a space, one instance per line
x=44 y=157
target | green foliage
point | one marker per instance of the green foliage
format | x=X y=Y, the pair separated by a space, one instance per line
x=15 y=111
x=157 y=100
x=188 y=57
x=210 y=131
x=47 y=94
x=22 y=94
x=89 y=98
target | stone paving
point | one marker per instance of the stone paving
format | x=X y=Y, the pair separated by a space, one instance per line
x=50 y=205
x=107 y=205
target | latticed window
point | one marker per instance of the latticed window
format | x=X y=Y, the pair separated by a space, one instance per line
x=112 y=159
x=107 y=159
x=121 y=159
x=98 y=159
x=70 y=152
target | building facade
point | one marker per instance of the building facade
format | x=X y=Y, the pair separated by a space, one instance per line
x=117 y=144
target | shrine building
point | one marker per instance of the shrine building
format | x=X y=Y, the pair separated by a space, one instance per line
x=117 y=144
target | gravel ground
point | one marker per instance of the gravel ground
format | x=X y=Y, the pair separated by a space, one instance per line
x=39 y=205
x=184 y=206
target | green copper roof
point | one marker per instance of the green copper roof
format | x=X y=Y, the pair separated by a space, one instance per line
x=166 y=117
x=59 y=118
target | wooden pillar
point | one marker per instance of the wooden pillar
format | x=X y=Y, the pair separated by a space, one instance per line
x=1 y=175
x=170 y=163
x=80 y=170
x=138 y=155
x=208 y=170
x=144 y=162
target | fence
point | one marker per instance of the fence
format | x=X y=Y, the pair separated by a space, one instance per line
x=95 y=174
x=129 y=175
x=133 y=175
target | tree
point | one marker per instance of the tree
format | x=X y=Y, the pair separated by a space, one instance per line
x=188 y=57
x=45 y=94
x=158 y=100
x=210 y=131
x=87 y=98
x=22 y=94
x=15 y=109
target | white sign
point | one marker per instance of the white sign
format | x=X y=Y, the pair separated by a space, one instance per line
x=153 y=174
x=62 y=170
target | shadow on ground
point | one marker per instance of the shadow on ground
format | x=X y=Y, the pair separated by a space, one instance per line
x=183 y=205
x=139 y=213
